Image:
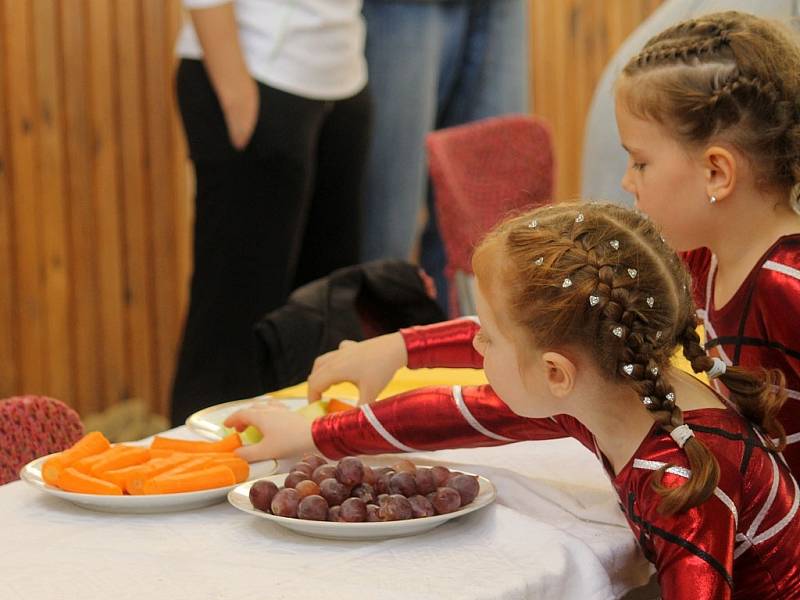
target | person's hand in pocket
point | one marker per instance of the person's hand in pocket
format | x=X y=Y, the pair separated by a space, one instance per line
x=241 y=108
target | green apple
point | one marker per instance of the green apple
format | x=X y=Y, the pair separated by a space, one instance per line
x=251 y=435
x=315 y=409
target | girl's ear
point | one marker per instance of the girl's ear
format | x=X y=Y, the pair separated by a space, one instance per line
x=560 y=373
x=720 y=168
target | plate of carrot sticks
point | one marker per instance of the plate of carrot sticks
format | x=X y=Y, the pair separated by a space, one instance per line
x=169 y=475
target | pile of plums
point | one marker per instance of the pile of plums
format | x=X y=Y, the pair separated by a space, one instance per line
x=352 y=492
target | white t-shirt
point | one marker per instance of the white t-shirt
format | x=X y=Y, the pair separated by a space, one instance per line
x=310 y=48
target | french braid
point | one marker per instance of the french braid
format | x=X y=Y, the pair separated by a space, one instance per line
x=729 y=76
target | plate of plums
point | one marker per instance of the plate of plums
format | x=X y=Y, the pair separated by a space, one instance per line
x=350 y=500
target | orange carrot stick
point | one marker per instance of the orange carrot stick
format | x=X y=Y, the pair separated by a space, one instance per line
x=134 y=482
x=120 y=476
x=228 y=444
x=72 y=480
x=335 y=405
x=240 y=467
x=212 y=477
x=84 y=465
x=127 y=458
x=195 y=463
x=164 y=453
x=92 y=443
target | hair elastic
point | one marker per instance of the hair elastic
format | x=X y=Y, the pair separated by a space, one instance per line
x=717 y=369
x=681 y=434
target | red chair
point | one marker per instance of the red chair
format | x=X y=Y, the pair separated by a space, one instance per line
x=34 y=426
x=481 y=172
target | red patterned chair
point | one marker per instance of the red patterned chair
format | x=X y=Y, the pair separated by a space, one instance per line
x=33 y=426
x=481 y=172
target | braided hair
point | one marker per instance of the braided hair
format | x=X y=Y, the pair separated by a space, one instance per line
x=600 y=277
x=726 y=76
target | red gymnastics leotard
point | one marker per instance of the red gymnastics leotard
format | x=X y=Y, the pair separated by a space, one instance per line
x=743 y=542
x=760 y=325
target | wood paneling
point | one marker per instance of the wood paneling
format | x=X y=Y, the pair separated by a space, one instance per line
x=94 y=219
x=95 y=210
x=572 y=40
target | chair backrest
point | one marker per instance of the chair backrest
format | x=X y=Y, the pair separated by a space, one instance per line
x=481 y=172
x=34 y=426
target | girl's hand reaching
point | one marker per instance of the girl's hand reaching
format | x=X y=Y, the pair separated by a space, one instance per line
x=286 y=433
x=370 y=365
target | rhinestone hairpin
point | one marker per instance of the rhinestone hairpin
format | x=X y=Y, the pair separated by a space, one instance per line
x=647 y=401
x=654 y=371
x=658 y=334
x=566 y=283
x=628 y=369
x=533 y=224
x=650 y=301
x=614 y=244
x=539 y=261
x=594 y=300
x=617 y=331
x=632 y=273
x=579 y=218
x=670 y=396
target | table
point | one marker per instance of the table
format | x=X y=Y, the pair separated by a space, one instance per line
x=555 y=531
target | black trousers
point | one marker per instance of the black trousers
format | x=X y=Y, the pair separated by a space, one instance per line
x=280 y=213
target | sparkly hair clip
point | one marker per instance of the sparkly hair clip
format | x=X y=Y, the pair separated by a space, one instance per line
x=614 y=244
x=533 y=224
x=648 y=401
x=681 y=434
x=632 y=273
x=628 y=369
x=566 y=283
x=594 y=300
x=650 y=301
x=580 y=218
x=617 y=331
x=539 y=261
x=659 y=333
x=717 y=369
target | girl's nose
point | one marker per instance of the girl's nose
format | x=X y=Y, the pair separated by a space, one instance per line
x=627 y=182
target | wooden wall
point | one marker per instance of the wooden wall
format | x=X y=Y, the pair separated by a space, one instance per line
x=571 y=42
x=95 y=210
x=93 y=203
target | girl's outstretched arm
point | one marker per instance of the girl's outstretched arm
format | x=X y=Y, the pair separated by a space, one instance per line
x=433 y=418
x=371 y=364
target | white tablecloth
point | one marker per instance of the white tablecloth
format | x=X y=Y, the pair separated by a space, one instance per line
x=555 y=531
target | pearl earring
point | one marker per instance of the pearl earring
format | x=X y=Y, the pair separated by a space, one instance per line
x=712 y=200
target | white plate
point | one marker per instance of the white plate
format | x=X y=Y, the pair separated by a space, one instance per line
x=240 y=498
x=153 y=503
x=209 y=421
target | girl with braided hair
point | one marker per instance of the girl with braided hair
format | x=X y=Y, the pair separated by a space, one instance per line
x=581 y=307
x=709 y=113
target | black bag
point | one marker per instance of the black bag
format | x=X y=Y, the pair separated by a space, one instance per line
x=354 y=303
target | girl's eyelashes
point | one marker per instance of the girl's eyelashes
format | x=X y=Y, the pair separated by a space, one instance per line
x=639 y=166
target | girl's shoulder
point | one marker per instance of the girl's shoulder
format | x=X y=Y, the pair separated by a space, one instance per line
x=724 y=432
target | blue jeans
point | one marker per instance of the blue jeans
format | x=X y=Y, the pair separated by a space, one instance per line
x=432 y=65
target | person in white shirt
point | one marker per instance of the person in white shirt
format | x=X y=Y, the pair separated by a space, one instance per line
x=274 y=101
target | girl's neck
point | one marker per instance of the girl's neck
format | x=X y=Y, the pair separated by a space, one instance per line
x=744 y=229
x=619 y=421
